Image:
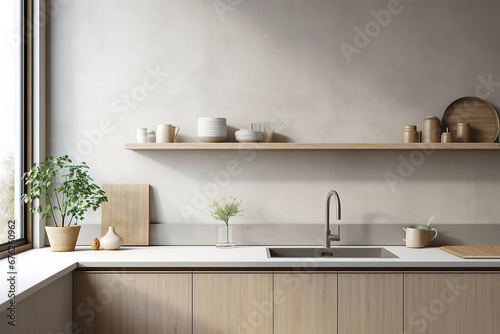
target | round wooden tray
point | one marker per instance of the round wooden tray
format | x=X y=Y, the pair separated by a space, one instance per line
x=481 y=115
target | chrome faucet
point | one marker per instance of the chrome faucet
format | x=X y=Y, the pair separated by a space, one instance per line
x=328 y=234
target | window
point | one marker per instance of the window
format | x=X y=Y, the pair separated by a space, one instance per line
x=15 y=119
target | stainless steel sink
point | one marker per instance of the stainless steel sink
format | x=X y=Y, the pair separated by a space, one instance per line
x=335 y=252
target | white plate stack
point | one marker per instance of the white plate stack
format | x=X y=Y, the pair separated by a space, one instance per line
x=212 y=129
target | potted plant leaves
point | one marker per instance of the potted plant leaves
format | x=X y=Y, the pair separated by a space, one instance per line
x=223 y=210
x=64 y=191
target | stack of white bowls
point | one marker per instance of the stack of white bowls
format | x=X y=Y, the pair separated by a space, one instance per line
x=212 y=129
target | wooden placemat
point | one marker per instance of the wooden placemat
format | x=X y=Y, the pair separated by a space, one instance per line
x=481 y=115
x=474 y=252
x=128 y=211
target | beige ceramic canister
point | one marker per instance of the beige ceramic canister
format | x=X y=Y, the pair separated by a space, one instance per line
x=431 y=130
x=463 y=133
x=447 y=137
x=409 y=134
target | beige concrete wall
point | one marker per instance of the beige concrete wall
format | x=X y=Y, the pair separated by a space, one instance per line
x=252 y=61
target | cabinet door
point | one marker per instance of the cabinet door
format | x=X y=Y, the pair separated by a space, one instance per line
x=452 y=303
x=305 y=303
x=133 y=303
x=84 y=302
x=370 y=303
x=232 y=303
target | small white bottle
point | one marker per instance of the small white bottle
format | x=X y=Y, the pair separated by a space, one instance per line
x=142 y=135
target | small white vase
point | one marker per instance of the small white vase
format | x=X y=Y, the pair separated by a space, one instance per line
x=111 y=240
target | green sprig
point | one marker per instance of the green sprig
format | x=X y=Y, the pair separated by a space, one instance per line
x=226 y=208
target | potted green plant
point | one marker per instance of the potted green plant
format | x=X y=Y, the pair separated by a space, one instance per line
x=223 y=210
x=64 y=192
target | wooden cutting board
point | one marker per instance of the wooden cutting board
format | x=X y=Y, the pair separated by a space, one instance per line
x=128 y=211
x=474 y=252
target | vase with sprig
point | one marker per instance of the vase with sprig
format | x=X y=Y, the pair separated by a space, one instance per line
x=63 y=191
x=223 y=210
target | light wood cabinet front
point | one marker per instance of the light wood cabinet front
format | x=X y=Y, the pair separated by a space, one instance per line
x=452 y=303
x=305 y=303
x=133 y=303
x=370 y=303
x=232 y=303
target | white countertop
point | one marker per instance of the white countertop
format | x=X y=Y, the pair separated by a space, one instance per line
x=39 y=267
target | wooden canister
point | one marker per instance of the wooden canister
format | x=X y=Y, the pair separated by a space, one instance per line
x=447 y=137
x=409 y=134
x=463 y=133
x=431 y=130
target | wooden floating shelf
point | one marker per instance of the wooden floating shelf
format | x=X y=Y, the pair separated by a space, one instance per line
x=307 y=146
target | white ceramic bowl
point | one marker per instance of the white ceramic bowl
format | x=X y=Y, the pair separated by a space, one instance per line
x=212 y=124
x=212 y=139
x=217 y=130
x=212 y=127
x=211 y=120
x=249 y=136
x=200 y=122
x=212 y=134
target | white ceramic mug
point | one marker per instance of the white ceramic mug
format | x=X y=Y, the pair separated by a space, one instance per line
x=142 y=135
x=419 y=237
x=166 y=133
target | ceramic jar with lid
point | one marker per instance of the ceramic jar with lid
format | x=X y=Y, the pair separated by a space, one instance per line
x=431 y=130
x=447 y=137
x=151 y=136
x=463 y=132
x=409 y=134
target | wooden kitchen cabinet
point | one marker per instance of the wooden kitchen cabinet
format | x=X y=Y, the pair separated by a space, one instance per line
x=132 y=302
x=370 y=303
x=232 y=303
x=452 y=303
x=286 y=302
x=305 y=303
